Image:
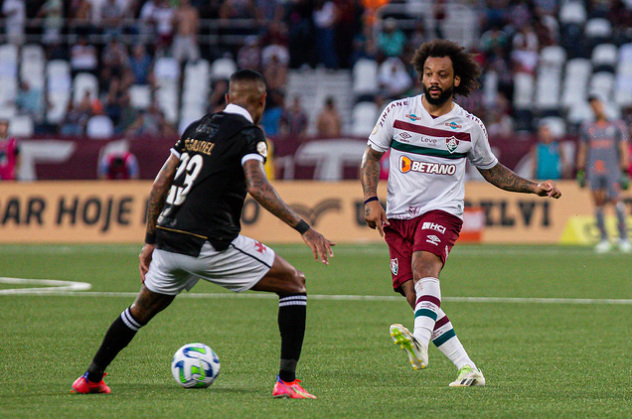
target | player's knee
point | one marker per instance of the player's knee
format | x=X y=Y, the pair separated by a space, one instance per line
x=296 y=284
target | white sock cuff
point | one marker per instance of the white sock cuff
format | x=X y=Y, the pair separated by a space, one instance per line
x=428 y=286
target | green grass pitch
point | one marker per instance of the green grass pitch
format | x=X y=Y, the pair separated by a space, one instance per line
x=542 y=358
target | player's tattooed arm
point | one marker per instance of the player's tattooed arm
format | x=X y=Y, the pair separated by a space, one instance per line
x=505 y=179
x=264 y=193
x=159 y=191
x=370 y=171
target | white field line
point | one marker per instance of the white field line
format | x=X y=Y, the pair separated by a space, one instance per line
x=52 y=286
x=69 y=289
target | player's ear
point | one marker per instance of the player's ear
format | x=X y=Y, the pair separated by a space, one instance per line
x=457 y=81
x=227 y=98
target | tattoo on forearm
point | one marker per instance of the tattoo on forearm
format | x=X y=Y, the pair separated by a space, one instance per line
x=507 y=180
x=369 y=174
x=158 y=195
x=265 y=194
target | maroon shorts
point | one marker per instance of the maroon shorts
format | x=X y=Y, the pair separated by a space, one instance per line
x=434 y=232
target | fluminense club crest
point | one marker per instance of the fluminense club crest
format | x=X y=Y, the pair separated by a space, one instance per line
x=451 y=143
x=394 y=266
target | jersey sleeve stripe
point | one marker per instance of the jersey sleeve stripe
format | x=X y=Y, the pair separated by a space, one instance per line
x=420 y=129
x=377 y=147
x=251 y=157
x=175 y=152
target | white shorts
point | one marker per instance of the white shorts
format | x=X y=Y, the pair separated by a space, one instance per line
x=237 y=268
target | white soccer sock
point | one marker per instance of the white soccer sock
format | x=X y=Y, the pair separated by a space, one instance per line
x=444 y=337
x=428 y=292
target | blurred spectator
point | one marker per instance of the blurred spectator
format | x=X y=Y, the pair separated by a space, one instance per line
x=494 y=41
x=549 y=161
x=275 y=74
x=217 y=99
x=418 y=36
x=238 y=9
x=140 y=63
x=90 y=105
x=112 y=14
x=325 y=15
x=83 y=57
x=274 y=41
x=294 y=120
x=391 y=41
x=52 y=11
x=30 y=101
x=363 y=47
x=74 y=123
x=328 y=124
x=187 y=20
x=393 y=78
x=118 y=166
x=115 y=66
x=346 y=26
x=15 y=19
x=128 y=114
x=249 y=55
x=271 y=120
x=9 y=154
x=81 y=14
x=440 y=13
x=158 y=15
x=525 y=50
x=147 y=20
x=152 y=122
x=300 y=32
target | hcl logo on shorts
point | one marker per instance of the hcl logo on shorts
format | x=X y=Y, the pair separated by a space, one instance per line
x=407 y=165
x=433 y=226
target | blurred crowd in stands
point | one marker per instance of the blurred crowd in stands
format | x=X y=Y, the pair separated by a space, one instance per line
x=119 y=41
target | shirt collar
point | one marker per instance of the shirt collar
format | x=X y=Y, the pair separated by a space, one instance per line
x=232 y=108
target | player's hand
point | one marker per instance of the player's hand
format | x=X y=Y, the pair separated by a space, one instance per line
x=375 y=216
x=321 y=247
x=145 y=259
x=581 y=178
x=624 y=180
x=548 y=188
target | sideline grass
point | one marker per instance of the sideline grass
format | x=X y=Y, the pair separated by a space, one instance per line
x=540 y=360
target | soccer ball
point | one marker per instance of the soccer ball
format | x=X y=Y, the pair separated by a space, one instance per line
x=195 y=365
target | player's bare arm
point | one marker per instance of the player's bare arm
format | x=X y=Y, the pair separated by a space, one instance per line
x=374 y=214
x=264 y=193
x=157 y=197
x=505 y=179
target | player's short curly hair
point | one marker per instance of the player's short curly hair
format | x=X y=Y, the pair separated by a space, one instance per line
x=464 y=64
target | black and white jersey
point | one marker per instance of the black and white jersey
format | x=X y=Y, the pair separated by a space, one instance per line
x=208 y=191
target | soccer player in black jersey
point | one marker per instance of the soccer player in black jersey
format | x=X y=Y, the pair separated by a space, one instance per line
x=193 y=232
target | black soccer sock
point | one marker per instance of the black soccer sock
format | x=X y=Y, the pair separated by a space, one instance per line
x=292 y=314
x=118 y=336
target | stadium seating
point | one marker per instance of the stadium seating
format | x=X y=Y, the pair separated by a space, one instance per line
x=84 y=83
x=363 y=118
x=100 y=127
x=365 y=77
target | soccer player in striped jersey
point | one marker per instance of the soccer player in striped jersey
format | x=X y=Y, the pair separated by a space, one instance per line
x=430 y=137
x=603 y=160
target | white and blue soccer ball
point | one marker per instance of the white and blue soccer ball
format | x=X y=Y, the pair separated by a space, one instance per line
x=195 y=365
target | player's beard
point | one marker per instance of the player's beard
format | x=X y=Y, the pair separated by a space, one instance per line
x=444 y=96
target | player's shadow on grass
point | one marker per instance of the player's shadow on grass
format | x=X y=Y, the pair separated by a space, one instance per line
x=168 y=387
